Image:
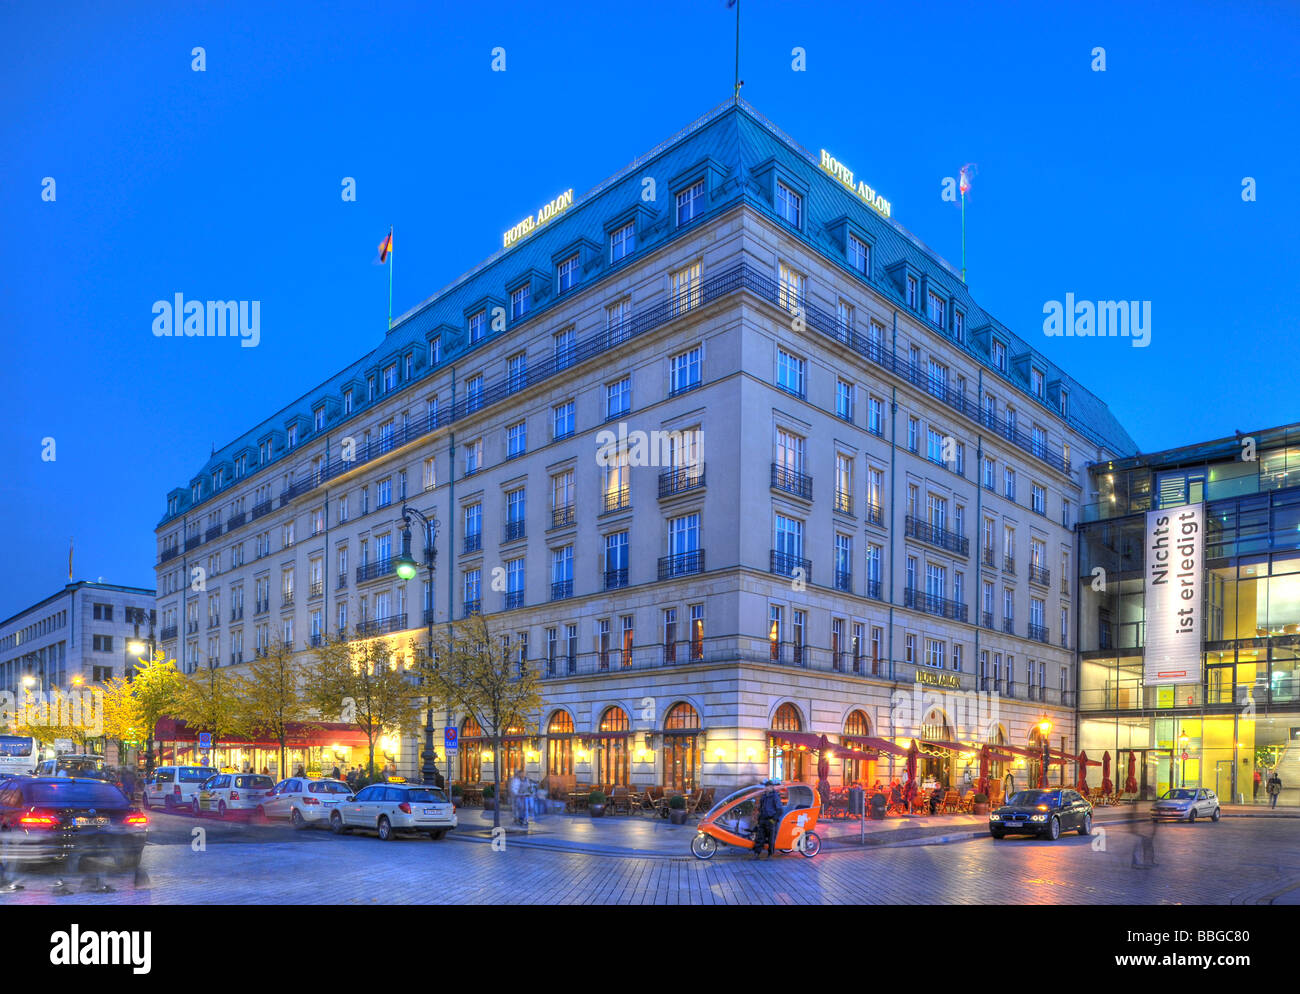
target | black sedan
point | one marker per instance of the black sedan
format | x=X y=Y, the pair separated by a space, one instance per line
x=54 y=818
x=1047 y=813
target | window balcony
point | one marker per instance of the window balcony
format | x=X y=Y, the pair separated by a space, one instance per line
x=1009 y=565
x=562 y=516
x=1009 y=626
x=342 y=583
x=934 y=535
x=1040 y=576
x=986 y=619
x=316 y=589
x=316 y=641
x=259 y=509
x=514 y=599
x=617 y=500
x=792 y=482
x=986 y=557
x=286 y=600
x=168 y=633
x=211 y=533
x=374 y=571
x=932 y=604
x=875 y=513
x=873 y=590
x=236 y=614
x=472 y=607
x=561 y=589
x=680 y=481
x=681 y=564
x=473 y=543
x=785 y=563
x=515 y=530
x=615 y=578
x=382 y=626
x=169 y=554
x=843 y=502
x=1038 y=633
x=844 y=581
x=235 y=520
x=193 y=543
x=262 y=606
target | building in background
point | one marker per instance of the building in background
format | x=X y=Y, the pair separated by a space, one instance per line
x=1234 y=713
x=720 y=448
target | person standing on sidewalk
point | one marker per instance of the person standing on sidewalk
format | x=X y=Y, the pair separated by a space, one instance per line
x=769 y=815
x=1258 y=780
x=1274 y=788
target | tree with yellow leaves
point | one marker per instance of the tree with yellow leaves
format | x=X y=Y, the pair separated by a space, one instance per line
x=365 y=682
x=155 y=685
x=208 y=700
x=272 y=697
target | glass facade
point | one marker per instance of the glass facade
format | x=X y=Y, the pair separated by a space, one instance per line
x=1239 y=722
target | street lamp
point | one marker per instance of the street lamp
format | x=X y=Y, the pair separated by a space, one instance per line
x=407 y=569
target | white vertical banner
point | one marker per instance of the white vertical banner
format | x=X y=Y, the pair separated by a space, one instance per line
x=1175 y=567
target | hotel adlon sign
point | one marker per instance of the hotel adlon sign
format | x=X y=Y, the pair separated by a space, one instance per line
x=1175 y=564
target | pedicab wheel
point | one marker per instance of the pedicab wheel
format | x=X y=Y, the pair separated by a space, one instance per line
x=811 y=844
x=703 y=846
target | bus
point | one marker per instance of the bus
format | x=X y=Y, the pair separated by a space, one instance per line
x=17 y=754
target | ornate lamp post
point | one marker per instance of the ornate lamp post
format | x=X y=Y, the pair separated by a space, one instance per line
x=407 y=569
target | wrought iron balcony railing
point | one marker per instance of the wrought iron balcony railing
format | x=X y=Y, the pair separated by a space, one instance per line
x=562 y=516
x=375 y=570
x=1040 y=576
x=792 y=482
x=681 y=564
x=785 y=564
x=934 y=535
x=933 y=604
x=615 y=578
x=680 y=481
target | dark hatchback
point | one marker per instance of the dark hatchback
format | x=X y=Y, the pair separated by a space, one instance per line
x=1042 y=812
x=54 y=818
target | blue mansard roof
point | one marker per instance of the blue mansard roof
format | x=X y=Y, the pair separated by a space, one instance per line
x=737 y=152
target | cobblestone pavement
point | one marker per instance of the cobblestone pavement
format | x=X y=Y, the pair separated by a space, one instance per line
x=1238 y=860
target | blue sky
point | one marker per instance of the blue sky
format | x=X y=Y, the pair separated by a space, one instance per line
x=1123 y=184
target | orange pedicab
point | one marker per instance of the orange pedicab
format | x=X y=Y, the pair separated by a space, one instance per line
x=731 y=822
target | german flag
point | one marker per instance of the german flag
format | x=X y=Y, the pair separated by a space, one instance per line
x=386 y=246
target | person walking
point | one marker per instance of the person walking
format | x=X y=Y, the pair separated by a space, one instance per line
x=514 y=786
x=1274 y=788
x=334 y=773
x=1008 y=785
x=769 y=815
x=1259 y=779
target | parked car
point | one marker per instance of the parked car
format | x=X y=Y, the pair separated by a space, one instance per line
x=394 y=808
x=71 y=765
x=1186 y=804
x=226 y=793
x=1042 y=812
x=174 y=786
x=54 y=818
x=304 y=801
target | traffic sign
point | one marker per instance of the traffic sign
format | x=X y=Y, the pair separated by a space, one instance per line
x=449 y=737
x=205 y=740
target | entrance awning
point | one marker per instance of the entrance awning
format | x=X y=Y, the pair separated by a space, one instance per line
x=881 y=745
x=813 y=743
x=299 y=734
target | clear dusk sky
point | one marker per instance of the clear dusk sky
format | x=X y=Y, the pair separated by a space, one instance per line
x=225 y=184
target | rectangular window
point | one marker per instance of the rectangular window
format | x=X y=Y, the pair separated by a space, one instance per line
x=690 y=203
x=912 y=290
x=937 y=309
x=844 y=400
x=875 y=415
x=566 y=274
x=790 y=288
x=519 y=301
x=1009 y=479
x=913 y=433
x=1038 y=499
x=517 y=372
x=474 y=456
x=790 y=373
x=684 y=370
x=859 y=255
x=474 y=392
x=564 y=347
x=477 y=327
x=959 y=326
x=618 y=321
x=516 y=439
x=622 y=242
x=562 y=419
x=618 y=398
x=999 y=356
x=789 y=205
x=684 y=290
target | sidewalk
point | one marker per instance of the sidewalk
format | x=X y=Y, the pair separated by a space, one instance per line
x=649 y=836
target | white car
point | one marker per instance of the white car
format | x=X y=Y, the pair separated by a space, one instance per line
x=174 y=787
x=393 y=808
x=1186 y=804
x=226 y=793
x=304 y=801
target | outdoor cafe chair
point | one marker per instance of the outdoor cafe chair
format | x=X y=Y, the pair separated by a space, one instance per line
x=951 y=802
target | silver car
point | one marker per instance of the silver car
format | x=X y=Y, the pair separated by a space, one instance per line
x=1186 y=804
x=304 y=800
x=390 y=809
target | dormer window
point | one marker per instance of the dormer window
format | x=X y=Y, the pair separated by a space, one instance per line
x=477 y=327
x=937 y=309
x=789 y=204
x=318 y=418
x=390 y=377
x=622 y=242
x=913 y=301
x=959 y=326
x=519 y=301
x=1036 y=385
x=566 y=273
x=264 y=452
x=347 y=401
x=408 y=367
x=1065 y=403
x=194 y=493
x=690 y=203
x=370 y=388
x=859 y=255
x=998 y=355
x=435 y=351
x=292 y=436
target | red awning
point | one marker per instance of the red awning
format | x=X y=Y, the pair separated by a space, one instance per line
x=300 y=734
x=882 y=745
x=805 y=739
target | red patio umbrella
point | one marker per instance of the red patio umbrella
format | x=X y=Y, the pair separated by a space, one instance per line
x=823 y=770
x=983 y=786
x=1083 y=772
x=912 y=753
x=1042 y=770
x=1131 y=784
x=1106 y=786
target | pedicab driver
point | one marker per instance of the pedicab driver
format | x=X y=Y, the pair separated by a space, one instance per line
x=769 y=816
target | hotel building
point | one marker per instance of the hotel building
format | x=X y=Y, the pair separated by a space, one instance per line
x=831 y=481
x=1236 y=714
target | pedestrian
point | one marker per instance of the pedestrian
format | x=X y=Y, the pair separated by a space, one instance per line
x=298 y=772
x=266 y=771
x=967 y=780
x=769 y=815
x=1008 y=785
x=1274 y=788
x=514 y=789
x=1259 y=779
x=1146 y=845
x=334 y=773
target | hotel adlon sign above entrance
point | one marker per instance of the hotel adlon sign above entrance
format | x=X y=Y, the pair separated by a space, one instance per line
x=845 y=175
x=1175 y=565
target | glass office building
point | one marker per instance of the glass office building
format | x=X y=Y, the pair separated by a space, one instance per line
x=1238 y=719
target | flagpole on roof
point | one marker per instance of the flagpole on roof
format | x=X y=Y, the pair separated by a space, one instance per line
x=739 y=84
x=390 y=276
